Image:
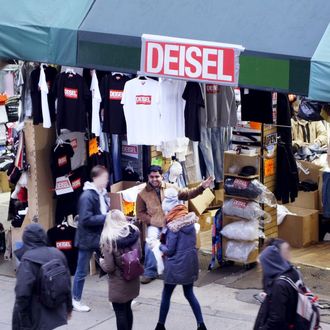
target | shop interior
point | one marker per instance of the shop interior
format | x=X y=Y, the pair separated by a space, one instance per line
x=268 y=153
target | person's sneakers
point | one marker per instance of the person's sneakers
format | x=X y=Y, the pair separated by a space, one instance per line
x=79 y=307
x=146 y=280
x=160 y=327
x=201 y=327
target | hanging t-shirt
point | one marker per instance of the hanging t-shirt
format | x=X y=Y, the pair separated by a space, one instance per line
x=194 y=101
x=256 y=106
x=172 y=108
x=78 y=144
x=50 y=73
x=142 y=112
x=62 y=160
x=112 y=87
x=63 y=238
x=73 y=96
x=220 y=106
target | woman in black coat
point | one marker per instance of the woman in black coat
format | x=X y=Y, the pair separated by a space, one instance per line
x=278 y=310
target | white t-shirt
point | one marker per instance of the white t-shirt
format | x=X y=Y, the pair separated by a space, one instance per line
x=142 y=112
x=172 y=109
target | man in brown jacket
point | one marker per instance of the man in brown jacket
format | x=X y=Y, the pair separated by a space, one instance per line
x=149 y=211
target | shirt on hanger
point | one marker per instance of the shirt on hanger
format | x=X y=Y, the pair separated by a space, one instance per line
x=96 y=101
x=72 y=95
x=220 y=106
x=112 y=87
x=78 y=144
x=172 y=108
x=50 y=73
x=142 y=112
x=62 y=160
x=194 y=101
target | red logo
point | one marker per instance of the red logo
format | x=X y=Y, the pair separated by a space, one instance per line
x=143 y=99
x=64 y=245
x=62 y=161
x=115 y=94
x=130 y=149
x=240 y=204
x=240 y=184
x=76 y=184
x=71 y=93
x=64 y=184
x=212 y=89
x=74 y=143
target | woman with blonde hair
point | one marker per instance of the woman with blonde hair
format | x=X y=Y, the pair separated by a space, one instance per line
x=120 y=245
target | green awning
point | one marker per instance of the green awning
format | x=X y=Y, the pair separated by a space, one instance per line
x=41 y=30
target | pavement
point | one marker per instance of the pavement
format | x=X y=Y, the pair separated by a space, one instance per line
x=223 y=307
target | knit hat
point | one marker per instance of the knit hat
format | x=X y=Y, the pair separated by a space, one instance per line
x=170 y=199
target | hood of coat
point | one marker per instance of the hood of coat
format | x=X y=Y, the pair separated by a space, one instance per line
x=183 y=224
x=34 y=236
x=131 y=239
x=91 y=186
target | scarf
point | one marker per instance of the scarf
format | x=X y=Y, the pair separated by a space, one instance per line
x=177 y=212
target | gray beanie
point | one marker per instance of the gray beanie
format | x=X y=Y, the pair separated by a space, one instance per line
x=170 y=199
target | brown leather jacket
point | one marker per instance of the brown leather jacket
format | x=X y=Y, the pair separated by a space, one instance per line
x=149 y=208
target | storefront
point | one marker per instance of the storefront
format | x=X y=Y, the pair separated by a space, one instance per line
x=189 y=123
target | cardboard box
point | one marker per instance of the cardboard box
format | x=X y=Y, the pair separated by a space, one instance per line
x=116 y=196
x=4 y=183
x=205 y=221
x=219 y=197
x=301 y=229
x=307 y=200
x=200 y=203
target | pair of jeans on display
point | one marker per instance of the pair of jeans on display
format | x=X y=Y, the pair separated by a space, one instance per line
x=150 y=263
x=116 y=157
x=214 y=142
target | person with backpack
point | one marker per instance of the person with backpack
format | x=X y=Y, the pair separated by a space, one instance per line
x=93 y=207
x=43 y=284
x=121 y=248
x=283 y=288
x=181 y=259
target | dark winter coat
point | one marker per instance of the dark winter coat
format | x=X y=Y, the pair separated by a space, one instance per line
x=121 y=290
x=29 y=313
x=91 y=221
x=181 y=260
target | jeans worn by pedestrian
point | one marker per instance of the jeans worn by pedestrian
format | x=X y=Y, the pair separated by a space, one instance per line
x=150 y=263
x=326 y=194
x=124 y=315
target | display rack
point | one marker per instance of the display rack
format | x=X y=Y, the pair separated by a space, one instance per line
x=240 y=160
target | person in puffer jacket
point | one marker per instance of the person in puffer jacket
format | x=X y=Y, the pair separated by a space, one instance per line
x=181 y=260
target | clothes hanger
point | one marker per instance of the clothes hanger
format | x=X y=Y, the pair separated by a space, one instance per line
x=117 y=73
x=140 y=77
x=60 y=142
x=71 y=71
x=129 y=167
x=63 y=223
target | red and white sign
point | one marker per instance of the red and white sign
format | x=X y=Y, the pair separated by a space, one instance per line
x=62 y=161
x=115 y=95
x=74 y=143
x=76 y=184
x=64 y=245
x=143 y=99
x=63 y=186
x=71 y=93
x=190 y=59
x=130 y=150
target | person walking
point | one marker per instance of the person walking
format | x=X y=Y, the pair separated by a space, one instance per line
x=119 y=240
x=149 y=211
x=92 y=207
x=34 y=308
x=278 y=311
x=181 y=260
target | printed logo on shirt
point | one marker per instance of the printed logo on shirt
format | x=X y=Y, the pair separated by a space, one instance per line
x=239 y=204
x=71 y=93
x=143 y=99
x=64 y=245
x=115 y=94
x=240 y=184
x=76 y=184
x=212 y=89
x=74 y=143
x=62 y=161
x=63 y=184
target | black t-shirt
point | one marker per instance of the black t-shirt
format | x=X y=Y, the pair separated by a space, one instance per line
x=194 y=101
x=63 y=238
x=62 y=160
x=73 y=97
x=112 y=87
x=257 y=106
x=50 y=73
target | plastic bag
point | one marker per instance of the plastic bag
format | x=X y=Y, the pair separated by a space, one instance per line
x=282 y=212
x=239 y=251
x=241 y=230
x=244 y=209
x=310 y=110
x=253 y=189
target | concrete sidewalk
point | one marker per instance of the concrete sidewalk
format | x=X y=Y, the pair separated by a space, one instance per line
x=220 y=306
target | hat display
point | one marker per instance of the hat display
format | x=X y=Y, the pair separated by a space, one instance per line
x=248 y=170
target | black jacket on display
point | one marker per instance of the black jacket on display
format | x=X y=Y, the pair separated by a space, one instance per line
x=29 y=313
x=91 y=220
